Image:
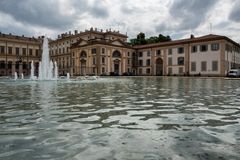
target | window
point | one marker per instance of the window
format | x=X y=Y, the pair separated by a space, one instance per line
x=128 y=54
x=193 y=66
x=103 y=60
x=148 y=53
x=170 y=51
x=204 y=66
x=204 y=48
x=9 y=50
x=148 y=62
x=2 y=65
x=103 y=50
x=83 y=54
x=140 y=63
x=24 y=51
x=140 y=54
x=169 y=61
x=116 y=54
x=17 y=51
x=214 y=65
x=158 y=52
x=37 y=52
x=103 y=70
x=30 y=52
x=63 y=50
x=94 y=60
x=180 y=50
x=2 y=50
x=73 y=54
x=94 y=50
x=215 y=47
x=148 y=70
x=59 y=50
x=180 y=60
x=128 y=62
x=194 y=49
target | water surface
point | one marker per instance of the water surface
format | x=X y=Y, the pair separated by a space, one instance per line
x=150 y=118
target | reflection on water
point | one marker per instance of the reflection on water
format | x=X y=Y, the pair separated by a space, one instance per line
x=124 y=118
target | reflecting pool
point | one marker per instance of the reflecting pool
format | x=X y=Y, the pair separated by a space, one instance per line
x=134 y=118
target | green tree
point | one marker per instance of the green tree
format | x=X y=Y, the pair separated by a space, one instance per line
x=140 y=40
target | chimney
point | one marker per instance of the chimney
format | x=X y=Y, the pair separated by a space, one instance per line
x=76 y=32
x=192 y=36
x=69 y=32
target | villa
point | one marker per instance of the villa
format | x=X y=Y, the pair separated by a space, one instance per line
x=98 y=52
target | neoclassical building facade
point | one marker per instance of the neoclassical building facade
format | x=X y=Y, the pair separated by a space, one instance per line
x=98 y=52
x=17 y=53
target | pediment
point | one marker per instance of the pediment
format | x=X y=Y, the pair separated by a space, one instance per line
x=82 y=43
x=117 y=43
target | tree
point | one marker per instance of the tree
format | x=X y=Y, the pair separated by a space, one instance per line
x=140 y=40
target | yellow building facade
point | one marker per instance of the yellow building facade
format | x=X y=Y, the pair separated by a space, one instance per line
x=17 y=53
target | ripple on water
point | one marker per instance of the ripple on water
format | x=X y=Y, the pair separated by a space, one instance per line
x=121 y=118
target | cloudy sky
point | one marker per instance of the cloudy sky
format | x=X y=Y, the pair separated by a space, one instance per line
x=177 y=18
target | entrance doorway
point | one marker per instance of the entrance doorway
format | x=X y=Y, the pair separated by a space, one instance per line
x=116 y=66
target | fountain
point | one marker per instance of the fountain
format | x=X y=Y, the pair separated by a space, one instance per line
x=15 y=76
x=47 y=70
x=68 y=76
x=22 y=76
x=32 y=77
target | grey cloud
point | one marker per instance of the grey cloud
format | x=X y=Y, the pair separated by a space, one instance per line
x=41 y=13
x=128 y=9
x=188 y=14
x=235 y=13
x=191 y=13
x=48 y=13
x=17 y=31
x=99 y=9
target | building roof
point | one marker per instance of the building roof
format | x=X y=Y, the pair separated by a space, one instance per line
x=21 y=38
x=192 y=39
x=69 y=35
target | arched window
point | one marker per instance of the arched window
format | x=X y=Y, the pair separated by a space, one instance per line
x=116 y=54
x=180 y=60
x=83 y=54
